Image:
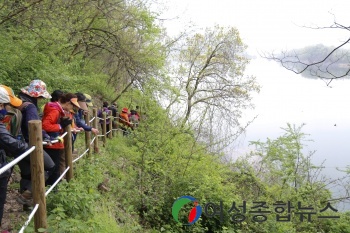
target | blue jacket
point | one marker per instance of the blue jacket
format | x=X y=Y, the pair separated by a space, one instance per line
x=80 y=122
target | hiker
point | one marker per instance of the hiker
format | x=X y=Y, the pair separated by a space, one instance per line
x=9 y=146
x=88 y=100
x=114 y=109
x=30 y=95
x=55 y=119
x=108 y=113
x=79 y=116
x=124 y=121
x=13 y=146
x=55 y=96
x=134 y=118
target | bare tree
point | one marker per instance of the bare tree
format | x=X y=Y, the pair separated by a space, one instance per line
x=330 y=64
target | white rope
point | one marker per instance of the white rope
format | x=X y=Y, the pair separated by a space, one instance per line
x=100 y=135
x=58 y=180
x=15 y=161
x=29 y=218
x=56 y=140
x=92 y=141
x=81 y=155
x=92 y=120
x=52 y=142
x=108 y=132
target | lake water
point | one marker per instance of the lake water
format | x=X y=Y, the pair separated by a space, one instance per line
x=286 y=97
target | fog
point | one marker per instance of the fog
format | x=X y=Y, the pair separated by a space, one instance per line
x=286 y=97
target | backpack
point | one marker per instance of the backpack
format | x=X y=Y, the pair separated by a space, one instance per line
x=12 y=122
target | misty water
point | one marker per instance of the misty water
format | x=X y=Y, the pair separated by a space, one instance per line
x=286 y=97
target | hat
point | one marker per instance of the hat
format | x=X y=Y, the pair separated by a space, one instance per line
x=88 y=100
x=83 y=105
x=125 y=110
x=36 y=89
x=82 y=101
x=74 y=101
x=7 y=96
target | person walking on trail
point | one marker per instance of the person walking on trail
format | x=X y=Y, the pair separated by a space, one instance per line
x=88 y=100
x=9 y=145
x=30 y=95
x=55 y=96
x=124 y=121
x=55 y=119
x=107 y=112
x=134 y=118
x=9 y=115
x=79 y=116
x=114 y=109
x=12 y=146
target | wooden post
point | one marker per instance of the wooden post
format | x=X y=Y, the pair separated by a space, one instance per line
x=87 y=136
x=68 y=152
x=113 y=127
x=95 y=125
x=37 y=173
x=110 y=127
x=104 y=128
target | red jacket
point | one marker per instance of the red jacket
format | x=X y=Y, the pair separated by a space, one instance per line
x=50 y=121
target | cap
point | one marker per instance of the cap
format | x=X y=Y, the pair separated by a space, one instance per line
x=125 y=110
x=36 y=89
x=74 y=101
x=7 y=96
x=88 y=100
x=83 y=105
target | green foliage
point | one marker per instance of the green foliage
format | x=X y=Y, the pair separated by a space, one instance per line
x=115 y=52
x=76 y=46
x=159 y=162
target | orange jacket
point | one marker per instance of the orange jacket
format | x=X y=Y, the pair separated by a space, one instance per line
x=51 y=122
x=124 y=119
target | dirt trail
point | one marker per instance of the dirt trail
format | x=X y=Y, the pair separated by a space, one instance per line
x=14 y=216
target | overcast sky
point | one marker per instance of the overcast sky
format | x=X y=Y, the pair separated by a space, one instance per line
x=264 y=24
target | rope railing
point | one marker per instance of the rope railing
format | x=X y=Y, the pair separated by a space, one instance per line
x=92 y=119
x=56 y=182
x=31 y=215
x=81 y=155
x=92 y=141
x=16 y=160
x=68 y=172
